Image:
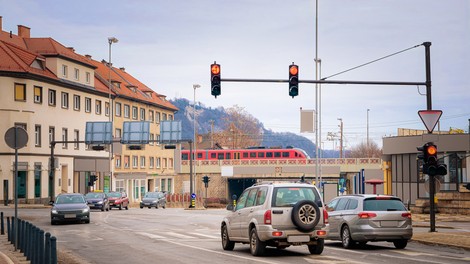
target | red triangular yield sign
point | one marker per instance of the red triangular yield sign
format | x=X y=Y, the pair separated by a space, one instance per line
x=430 y=118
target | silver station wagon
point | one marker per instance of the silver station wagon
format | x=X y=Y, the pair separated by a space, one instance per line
x=368 y=217
x=276 y=215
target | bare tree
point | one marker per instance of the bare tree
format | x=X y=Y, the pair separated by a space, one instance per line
x=363 y=151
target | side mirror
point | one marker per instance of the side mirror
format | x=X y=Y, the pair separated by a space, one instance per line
x=230 y=207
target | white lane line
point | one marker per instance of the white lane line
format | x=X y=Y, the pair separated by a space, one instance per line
x=173 y=234
x=204 y=235
x=153 y=236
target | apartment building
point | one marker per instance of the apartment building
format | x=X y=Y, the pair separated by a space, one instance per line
x=51 y=91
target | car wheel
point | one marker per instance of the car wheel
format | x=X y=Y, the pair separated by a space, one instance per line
x=318 y=248
x=127 y=207
x=87 y=221
x=346 y=239
x=257 y=247
x=156 y=206
x=226 y=243
x=107 y=208
x=141 y=207
x=102 y=209
x=120 y=206
x=110 y=208
x=401 y=243
x=305 y=215
x=53 y=222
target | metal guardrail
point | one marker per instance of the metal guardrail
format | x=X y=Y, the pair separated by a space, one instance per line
x=37 y=246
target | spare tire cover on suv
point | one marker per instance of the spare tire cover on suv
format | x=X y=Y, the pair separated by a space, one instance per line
x=305 y=215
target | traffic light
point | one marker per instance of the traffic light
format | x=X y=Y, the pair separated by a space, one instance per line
x=293 y=80
x=206 y=179
x=431 y=166
x=215 y=79
x=92 y=180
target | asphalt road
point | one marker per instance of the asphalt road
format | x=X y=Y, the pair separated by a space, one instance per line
x=193 y=236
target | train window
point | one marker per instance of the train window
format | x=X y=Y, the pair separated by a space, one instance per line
x=285 y=154
x=261 y=155
x=199 y=155
x=269 y=154
x=245 y=154
x=184 y=156
x=252 y=154
x=277 y=154
x=227 y=156
x=220 y=156
x=213 y=155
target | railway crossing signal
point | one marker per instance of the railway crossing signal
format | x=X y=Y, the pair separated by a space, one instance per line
x=293 y=80
x=215 y=79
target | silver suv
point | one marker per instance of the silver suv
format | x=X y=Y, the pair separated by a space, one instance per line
x=276 y=215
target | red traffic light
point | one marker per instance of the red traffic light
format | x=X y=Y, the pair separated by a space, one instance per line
x=293 y=70
x=431 y=150
x=215 y=68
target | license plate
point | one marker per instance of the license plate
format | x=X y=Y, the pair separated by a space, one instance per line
x=147 y=204
x=70 y=216
x=389 y=223
x=298 y=238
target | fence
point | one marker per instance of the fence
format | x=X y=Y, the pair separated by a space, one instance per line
x=37 y=246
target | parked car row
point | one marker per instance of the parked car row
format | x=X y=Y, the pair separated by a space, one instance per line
x=292 y=214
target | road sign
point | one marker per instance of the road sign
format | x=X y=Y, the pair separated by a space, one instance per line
x=430 y=118
x=16 y=137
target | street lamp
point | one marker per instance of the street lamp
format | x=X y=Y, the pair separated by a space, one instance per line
x=111 y=40
x=195 y=86
x=368 y=129
x=341 y=138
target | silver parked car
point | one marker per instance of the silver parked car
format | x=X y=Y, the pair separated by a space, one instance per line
x=276 y=215
x=369 y=217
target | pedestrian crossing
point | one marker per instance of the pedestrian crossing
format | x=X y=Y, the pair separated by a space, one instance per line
x=180 y=235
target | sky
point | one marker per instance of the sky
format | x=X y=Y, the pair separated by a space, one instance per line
x=169 y=46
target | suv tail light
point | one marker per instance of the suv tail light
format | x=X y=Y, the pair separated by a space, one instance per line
x=325 y=216
x=406 y=215
x=267 y=217
x=366 y=215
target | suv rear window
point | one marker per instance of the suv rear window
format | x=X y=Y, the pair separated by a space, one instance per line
x=383 y=205
x=288 y=196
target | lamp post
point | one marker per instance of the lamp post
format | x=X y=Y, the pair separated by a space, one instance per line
x=195 y=86
x=111 y=40
x=341 y=138
x=368 y=129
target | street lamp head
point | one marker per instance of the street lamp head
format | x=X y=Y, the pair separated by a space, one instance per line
x=112 y=40
x=195 y=86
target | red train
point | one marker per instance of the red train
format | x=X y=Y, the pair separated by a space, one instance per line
x=247 y=154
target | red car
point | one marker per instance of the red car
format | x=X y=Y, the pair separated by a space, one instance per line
x=118 y=200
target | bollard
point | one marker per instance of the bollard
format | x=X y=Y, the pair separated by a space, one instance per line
x=2 y=224
x=8 y=229
x=41 y=247
x=28 y=243
x=47 y=248
x=36 y=246
x=13 y=233
x=35 y=242
x=53 y=250
x=20 y=235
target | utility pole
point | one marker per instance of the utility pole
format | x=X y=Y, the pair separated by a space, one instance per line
x=341 y=138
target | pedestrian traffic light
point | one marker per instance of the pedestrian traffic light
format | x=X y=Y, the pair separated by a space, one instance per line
x=215 y=79
x=293 y=80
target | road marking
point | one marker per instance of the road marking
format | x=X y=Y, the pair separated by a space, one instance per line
x=330 y=260
x=179 y=235
x=204 y=235
x=153 y=236
x=414 y=259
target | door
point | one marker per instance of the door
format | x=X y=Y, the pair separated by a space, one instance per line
x=21 y=184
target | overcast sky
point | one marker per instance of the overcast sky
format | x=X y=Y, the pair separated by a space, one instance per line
x=169 y=46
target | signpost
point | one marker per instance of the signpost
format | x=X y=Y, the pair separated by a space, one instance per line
x=430 y=118
x=16 y=138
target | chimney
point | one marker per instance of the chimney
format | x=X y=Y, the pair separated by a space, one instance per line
x=1 y=24
x=71 y=49
x=122 y=69
x=88 y=56
x=24 y=32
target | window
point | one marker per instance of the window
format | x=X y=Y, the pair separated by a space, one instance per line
x=64 y=137
x=118 y=109
x=126 y=162
x=87 y=105
x=118 y=161
x=37 y=135
x=165 y=164
x=134 y=113
x=157 y=117
x=170 y=163
x=250 y=201
x=76 y=102
x=170 y=117
x=64 y=71
x=151 y=162
x=170 y=187
x=120 y=186
x=152 y=138
x=38 y=94
x=51 y=134
x=135 y=161
x=158 y=139
x=106 y=108
x=118 y=133
x=164 y=117
x=88 y=77
x=76 y=74
x=20 y=92
x=341 y=204
x=142 y=114
x=162 y=184
x=157 y=163
x=52 y=100
x=65 y=100
x=142 y=162
x=37 y=180
x=76 y=136
x=98 y=107
x=127 y=111
x=352 y=204
x=261 y=196
x=151 y=117
x=241 y=201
